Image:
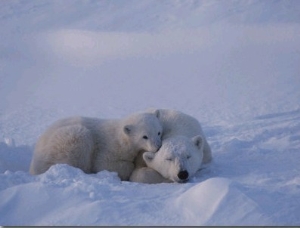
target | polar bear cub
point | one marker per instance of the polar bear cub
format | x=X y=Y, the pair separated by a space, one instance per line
x=93 y=144
x=184 y=149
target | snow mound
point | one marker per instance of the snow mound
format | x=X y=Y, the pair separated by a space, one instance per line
x=53 y=198
x=208 y=203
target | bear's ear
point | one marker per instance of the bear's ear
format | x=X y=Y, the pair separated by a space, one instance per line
x=148 y=156
x=198 y=141
x=156 y=113
x=128 y=129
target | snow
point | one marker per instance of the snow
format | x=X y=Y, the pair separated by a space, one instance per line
x=234 y=65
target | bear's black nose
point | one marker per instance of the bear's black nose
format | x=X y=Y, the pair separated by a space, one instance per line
x=183 y=175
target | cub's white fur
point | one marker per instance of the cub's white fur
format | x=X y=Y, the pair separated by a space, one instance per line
x=93 y=144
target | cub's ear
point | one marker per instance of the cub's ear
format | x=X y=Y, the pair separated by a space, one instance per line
x=148 y=156
x=157 y=113
x=198 y=141
x=128 y=129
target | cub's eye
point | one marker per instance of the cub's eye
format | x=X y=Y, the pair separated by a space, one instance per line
x=159 y=133
x=145 y=137
x=188 y=157
x=169 y=159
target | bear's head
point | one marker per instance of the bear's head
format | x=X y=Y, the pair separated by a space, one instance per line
x=178 y=159
x=144 y=131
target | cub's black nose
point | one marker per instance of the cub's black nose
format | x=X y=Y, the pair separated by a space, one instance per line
x=183 y=175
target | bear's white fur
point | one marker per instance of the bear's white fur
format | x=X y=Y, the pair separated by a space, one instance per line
x=178 y=159
x=93 y=144
x=184 y=149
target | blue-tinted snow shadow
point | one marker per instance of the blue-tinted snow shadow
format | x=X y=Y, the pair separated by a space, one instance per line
x=265 y=142
x=262 y=155
x=15 y=158
x=280 y=114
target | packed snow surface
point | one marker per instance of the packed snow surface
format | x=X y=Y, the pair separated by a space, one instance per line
x=233 y=65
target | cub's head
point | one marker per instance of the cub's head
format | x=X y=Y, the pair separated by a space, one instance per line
x=178 y=159
x=144 y=131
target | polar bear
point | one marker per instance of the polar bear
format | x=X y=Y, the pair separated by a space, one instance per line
x=184 y=149
x=93 y=144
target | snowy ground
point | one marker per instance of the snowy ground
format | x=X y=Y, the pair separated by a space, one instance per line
x=232 y=65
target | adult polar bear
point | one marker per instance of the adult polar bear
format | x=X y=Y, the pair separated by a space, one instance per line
x=93 y=144
x=184 y=149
